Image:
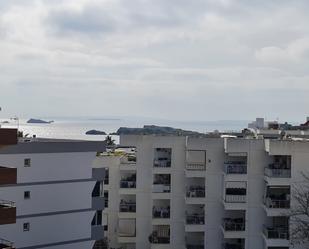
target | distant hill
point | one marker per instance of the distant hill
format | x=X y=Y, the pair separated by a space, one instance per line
x=38 y=121
x=95 y=132
x=156 y=130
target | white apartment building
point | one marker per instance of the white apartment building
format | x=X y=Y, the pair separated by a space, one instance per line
x=51 y=197
x=196 y=193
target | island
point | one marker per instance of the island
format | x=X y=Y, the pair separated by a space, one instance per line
x=38 y=121
x=156 y=130
x=95 y=132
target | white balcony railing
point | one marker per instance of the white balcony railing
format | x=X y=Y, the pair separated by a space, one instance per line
x=276 y=233
x=196 y=166
x=233 y=225
x=232 y=168
x=273 y=203
x=161 y=163
x=235 y=198
x=277 y=173
x=161 y=188
x=195 y=219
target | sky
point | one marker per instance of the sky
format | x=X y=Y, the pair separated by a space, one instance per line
x=172 y=59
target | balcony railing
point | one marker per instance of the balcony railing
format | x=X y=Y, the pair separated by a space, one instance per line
x=161 y=236
x=127 y=207
x=127 y=184
x=162 y=213
x=195 y=219
x=235 y=168
x=235 y=198
x=273 y=203
x=277 y=173
x=161 y=188
x=196 y=166
x=276 y=233
x=195 y=192
x=161 y=163
x=233 y=225
x=5 y=244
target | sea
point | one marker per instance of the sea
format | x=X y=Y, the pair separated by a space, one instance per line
x=76 y=127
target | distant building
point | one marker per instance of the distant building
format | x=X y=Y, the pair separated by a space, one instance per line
x=194 y=193
x=51 y=197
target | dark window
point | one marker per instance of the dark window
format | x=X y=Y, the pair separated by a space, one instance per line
x=27 y=195
x=27 y=162
x=26 y=227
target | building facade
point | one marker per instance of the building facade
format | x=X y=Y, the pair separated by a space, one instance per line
x=196 y=193
x=52 y=197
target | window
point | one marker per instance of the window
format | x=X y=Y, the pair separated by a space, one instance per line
x=27 y=195
x=27 y=162
x=26 y=227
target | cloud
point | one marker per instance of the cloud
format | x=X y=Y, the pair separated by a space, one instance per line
x=294 y=53
x=176 y=58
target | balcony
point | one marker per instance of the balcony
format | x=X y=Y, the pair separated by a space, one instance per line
x=8 y=175
x=161 y=212
x=97 y=229
x=161 y=186
x=195 y=219
x=128 y=182
x=277 y=200
x=233 y=227
x=5 y=244
x=161 y=235
x=235 y=202
x=97 y=232
x=239 y=168
x=162 y=163
x=236 y=198
x=277 y=172
x=277 y=176
x=8 y=136
x=276 y=236
x=128 y=162
x=235 y=195
x=195 y=170
x=195 y=194
x=7 y=212
x=195 y=223
x=127 y=209
x=196 y=166
x=276 y=233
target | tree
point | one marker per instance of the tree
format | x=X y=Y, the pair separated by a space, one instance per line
x=110 y=141
x=299 y=214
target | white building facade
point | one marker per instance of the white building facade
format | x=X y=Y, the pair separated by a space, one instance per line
x=54 y=194
x=196 y=193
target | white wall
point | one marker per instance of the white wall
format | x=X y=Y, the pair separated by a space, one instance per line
x=50 y=166
x=49 y=229
x=50 y=197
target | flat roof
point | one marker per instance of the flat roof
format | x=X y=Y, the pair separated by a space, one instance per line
x=45 y=145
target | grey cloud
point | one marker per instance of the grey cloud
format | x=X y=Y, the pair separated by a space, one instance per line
x=91 y=19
